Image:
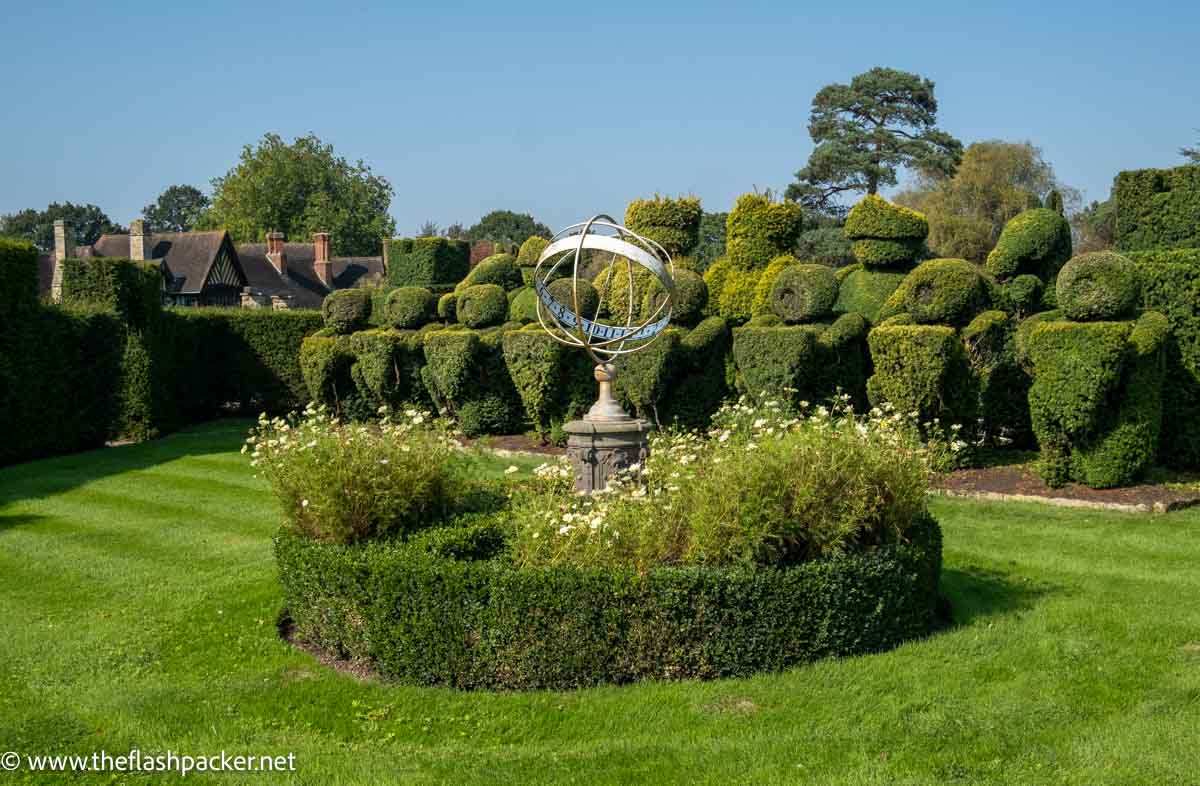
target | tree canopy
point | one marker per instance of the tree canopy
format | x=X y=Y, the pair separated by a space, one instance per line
x=37 y=226
x=300 y=189
x=1191 y=154
x=177 y=209
x=712 y=240
x=994 y=181
x=508 y=226
x=865 y=131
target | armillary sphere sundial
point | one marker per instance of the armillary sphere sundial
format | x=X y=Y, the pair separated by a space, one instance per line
x=607 y=439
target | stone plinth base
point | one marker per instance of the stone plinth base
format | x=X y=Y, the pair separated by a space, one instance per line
x=599 y=449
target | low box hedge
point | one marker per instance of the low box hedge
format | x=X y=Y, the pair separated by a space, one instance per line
x=426 y=619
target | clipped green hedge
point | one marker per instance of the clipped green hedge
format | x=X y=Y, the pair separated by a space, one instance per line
x=758 y=230
x=612 y=285
x=410 y=307
x=691 y=298
x=1020 y=296
x=447 y=307
x=346 y=310
x=922 y=369
x=802 y=362
x=465 y=373
x=564 y=290
x=465 y=623
x=531 y=250
x=499 y=269
x=762 y=290
x=1096 y=286
x=941 y=292
x=1158 y=208
x=554 y=381
x=522 y=306
x=1002 y=381
x=864 y=291
x=1096 y=403
x=1170 y=284
x=1037 y=241
x=803 y=293
x=700 y=378
x=482 y=305
x=875 y=217
x=432 y=262
x=672 y=223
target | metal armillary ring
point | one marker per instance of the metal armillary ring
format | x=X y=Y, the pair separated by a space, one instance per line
x=603 y=342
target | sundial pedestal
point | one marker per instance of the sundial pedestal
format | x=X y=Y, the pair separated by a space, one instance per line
x=600 y=449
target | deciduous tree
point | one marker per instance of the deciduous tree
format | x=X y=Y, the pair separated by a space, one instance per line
x=507 y=226
x=37 y=226
x=302 y=188
x=177 y=209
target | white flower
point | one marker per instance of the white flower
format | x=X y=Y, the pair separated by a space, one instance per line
x=512 y=469
x=304 y=503
x=563 y=530
x=383 y=461
x=760 y=423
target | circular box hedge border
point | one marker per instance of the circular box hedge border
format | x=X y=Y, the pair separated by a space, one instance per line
x=432 y=620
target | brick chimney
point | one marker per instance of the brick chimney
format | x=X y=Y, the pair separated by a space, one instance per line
x=321 y=264
x=64 y=248
x=141 y=246
x=275 y=253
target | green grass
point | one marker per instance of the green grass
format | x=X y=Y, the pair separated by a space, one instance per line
x=138 y=599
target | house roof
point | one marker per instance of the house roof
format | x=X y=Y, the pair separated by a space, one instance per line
x=300 y=285
x=187 y=256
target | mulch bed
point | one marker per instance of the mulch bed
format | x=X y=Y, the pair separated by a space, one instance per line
x=1020 y=482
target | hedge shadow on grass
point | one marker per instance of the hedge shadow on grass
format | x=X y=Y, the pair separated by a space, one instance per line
x=975 y=593
x=50 y=476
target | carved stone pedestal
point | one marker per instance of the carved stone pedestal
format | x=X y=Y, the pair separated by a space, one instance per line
x=599 y=449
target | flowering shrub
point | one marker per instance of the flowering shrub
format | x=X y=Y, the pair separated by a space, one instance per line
x=767 y=485
x=348 y=483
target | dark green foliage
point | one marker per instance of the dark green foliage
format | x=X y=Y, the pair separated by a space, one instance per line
x=60 y=375
x=1096 y=286
x=1171 y=285
x=499 y=269
x=699 y=383
x=1158 y=208
x=672 y=223
x=522 y=305
x=554 y=381
x=864 y=291
x=1095 y=402
x=922 y=369
x=1054 y=201
x=410 y=307
x=18 y=280
x=1020 y=296
x=482 y=305
x=346 y=310
x=471 y=623
x=803 y=293
x=826 y=246
x=131 y=289
x=505 y=226
x=431 y=262
x=876 y=253
x=644 y=378
x=1037 y=241
x=447 y=307
x=758 y=230
x=245 y=358
x=466 y=372
x=691 y=297
x=802 y=362
x=564 y=291
x=942 y=292
x=990 y=342
x=325 y=362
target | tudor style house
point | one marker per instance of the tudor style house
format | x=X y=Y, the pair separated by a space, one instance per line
x=207 y=269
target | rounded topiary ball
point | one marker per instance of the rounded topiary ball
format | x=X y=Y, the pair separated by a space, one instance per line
x=482 y=305
x=1101 y=285
x=1037 y=241
x=346 y=310
x=803 y=293
x=691 y=296
x=562 y=291
x=531 y=249
x=1023 y=295
x=410 y=307
x=523 y=307
x=944 y=292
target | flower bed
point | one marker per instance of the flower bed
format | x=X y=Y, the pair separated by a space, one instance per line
x=776 y=538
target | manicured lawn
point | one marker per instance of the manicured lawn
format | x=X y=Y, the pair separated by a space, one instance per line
x=138 y=600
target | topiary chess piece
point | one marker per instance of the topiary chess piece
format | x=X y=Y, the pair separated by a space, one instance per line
x=886 y=240
x=1096 y=399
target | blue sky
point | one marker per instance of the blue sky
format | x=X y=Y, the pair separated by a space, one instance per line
x=564 y=109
